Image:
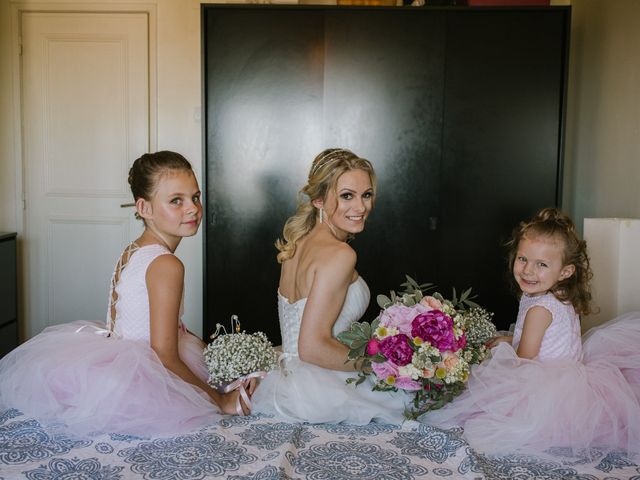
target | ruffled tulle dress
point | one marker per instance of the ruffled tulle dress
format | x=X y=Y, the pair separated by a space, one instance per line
x=580 y=394
x=76 y=376
x=301 y=392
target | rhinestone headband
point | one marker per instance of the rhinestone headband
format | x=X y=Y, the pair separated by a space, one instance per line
x=319 y=163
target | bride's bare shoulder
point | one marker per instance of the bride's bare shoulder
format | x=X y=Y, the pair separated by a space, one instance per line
x=322 y=243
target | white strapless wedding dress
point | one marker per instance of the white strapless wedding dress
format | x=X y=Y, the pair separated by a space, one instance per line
x=302 y=392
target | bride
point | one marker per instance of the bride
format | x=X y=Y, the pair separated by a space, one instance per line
x=320 y=294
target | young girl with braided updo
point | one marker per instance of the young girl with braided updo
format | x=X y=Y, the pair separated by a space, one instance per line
x=143 y=373
x=545 y=386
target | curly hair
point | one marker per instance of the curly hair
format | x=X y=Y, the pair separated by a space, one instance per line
x=551 y=222
x=325 y=170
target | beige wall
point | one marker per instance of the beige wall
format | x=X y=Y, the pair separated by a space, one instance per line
x=602 y=156
x=7 y=129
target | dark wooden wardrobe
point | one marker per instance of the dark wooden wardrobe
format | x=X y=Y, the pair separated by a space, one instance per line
x=461 y=111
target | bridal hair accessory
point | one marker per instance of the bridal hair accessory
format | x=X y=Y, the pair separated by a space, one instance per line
x=233 y=359
x=323 y=162
x=132 y=204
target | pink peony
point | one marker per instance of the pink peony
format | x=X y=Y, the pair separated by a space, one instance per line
x=384 y=369
x=436 y=328
x=400 y=317
x=373 y=347
x=407 y=383
x=397 y=349
x=432 y=303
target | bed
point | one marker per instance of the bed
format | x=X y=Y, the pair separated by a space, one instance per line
x=260 y=448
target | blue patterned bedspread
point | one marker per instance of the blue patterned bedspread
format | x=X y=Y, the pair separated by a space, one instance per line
x=261 y=448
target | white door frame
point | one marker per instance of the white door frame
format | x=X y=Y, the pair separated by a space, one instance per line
x=19 y=7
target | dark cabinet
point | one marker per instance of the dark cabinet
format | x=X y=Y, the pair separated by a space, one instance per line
x=461 y=110
x=9 y=331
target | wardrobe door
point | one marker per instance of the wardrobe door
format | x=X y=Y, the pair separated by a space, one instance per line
x=384 y=80
x=460 y=111
x=502 y=142
x=283 y=84
x=264 y=75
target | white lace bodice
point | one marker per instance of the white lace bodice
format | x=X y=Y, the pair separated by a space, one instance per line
x=290 y=314
x=132 y=305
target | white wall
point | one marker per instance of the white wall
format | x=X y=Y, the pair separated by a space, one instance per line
x=616 y=259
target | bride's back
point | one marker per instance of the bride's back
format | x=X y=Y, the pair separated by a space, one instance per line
x=297 y=273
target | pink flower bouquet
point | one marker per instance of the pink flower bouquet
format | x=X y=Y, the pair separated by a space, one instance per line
x=421 y=344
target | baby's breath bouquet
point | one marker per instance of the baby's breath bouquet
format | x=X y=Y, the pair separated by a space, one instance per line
x=421 y=344
x=238 y=356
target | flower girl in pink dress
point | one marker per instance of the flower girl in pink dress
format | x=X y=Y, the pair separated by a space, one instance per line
x=143 y=373
x=546 y=386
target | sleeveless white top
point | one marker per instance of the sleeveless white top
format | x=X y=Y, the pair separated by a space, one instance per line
x=562 y=339
x=132 y=304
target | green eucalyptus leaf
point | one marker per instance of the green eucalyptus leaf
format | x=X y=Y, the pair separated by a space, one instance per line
x=358 y=352
x=374 y=324
x=412 y=282
x=384 y=301
x=363 y=329
x=408 y=300
x=378 y=358
x=427 y=286
x=348 y=337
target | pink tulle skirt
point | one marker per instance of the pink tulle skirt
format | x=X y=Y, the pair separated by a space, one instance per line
x=516 y=405
x=92 y=384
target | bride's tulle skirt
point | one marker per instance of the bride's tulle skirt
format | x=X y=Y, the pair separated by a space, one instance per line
x=302 y=392
x=513 y=404
x=93 y=384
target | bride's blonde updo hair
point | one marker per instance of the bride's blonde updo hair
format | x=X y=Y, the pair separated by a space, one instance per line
x=326 y=168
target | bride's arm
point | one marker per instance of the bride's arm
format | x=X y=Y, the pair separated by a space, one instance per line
x=331 y=281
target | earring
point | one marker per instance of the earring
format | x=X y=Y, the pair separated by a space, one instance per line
x=321 y=215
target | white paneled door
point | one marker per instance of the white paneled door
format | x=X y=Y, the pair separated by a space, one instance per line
x=85 y=89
